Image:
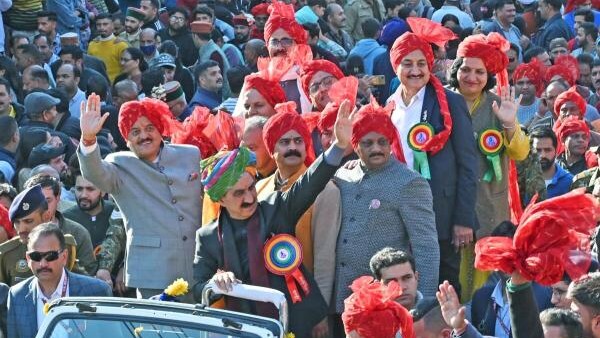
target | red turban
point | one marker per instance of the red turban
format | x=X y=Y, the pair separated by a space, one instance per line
x=260 y=9
x=6 y=223
x=374 y=118
x=154 y=110
x=534 y=71
x=552 y=237
x=282 y=16
x=285 y=120
x=571 y=125
x=570 y=95
x=491 y=50
x=565 y=66
x=345 y=89
x=373 y=312
x=424 y=32
x=193 y=132
x=313 y=67
x=270 y=90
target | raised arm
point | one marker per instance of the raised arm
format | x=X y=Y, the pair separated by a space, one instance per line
x=304 y=191
x=103 y=174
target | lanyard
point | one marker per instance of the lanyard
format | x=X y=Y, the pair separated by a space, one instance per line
x=63 y=292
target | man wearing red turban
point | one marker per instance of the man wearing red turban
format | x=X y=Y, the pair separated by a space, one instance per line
x=442 y=143
x=288 y=141
x=157 y=187
x=261 y=14
x=376 y=214
x=283 y=36
x=317 y=77
x=569 y=103
x=574 y=135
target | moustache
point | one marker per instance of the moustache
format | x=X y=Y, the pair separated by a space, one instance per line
x=248 y=205
x=292 y=152
x=280 y=53
x=376 y=154
x=145 y=140
x=40 y=270
x=84 y=200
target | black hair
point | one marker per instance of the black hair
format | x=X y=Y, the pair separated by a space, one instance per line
x=555 y=4
x=391 y=4
x=404 y=12
x=47 y=14
x=453 y=76
x=387 y=257
x=4 y=82
x=544 y=132
x=585 y=58
x=312 y=28
x=46 y=230
x=63 y=105
x=38 y=72
x=201 y=68
x=499 y=4
x=180 y=10
x=74 y=51
x=450 y=17
x=235 y=77
x=505 y=229
x=103 y=16
x=588 y=15
x=11 y=73
x=152 y=78
x=96 y=84
x=31 y=50
x=355 y=65
x=169 y=47
x=532 y=52
x=203 y=9
x=8 y=190
x=154 y=3
x=586 y=291
x=567 y=320
x=76 y=71
x=136 y=54
x=46 y=181
x=8 y=125
x=589 y=29
x=370 y=27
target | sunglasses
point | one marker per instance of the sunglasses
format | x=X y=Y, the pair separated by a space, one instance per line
x=50 y=256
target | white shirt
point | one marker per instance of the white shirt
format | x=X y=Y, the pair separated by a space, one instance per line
x=41 y=299
x=405 y=117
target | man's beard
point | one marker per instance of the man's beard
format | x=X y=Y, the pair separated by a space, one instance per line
x=91 y=205
x=546 y=164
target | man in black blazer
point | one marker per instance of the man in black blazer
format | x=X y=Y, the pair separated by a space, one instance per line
x=451 y=152
x=230 y=249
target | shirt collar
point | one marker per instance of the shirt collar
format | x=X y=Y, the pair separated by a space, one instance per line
x=57 y=293
x=497 y=294
x=417 y=97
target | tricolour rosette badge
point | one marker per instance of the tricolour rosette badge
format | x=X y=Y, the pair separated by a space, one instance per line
x=283 y=256
x=418 y=137
x=491 y=143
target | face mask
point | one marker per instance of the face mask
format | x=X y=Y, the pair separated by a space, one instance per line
x=148 y=50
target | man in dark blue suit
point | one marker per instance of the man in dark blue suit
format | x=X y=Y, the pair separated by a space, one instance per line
x=46 y=257
x=442 y=146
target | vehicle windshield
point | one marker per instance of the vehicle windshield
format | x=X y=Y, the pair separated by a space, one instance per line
x=123 y=328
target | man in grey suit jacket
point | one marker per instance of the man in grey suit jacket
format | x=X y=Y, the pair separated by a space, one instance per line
x=157 y=187
x=230 y=249
x=47 y=258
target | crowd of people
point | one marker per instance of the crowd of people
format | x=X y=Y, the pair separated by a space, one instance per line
x=411 y=168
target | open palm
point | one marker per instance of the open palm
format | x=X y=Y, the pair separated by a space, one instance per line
x=507 y=110
x=91 y=120
x=452 y=311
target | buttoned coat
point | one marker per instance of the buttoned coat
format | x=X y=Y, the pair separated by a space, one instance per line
x=161 y=206
x=22 y=302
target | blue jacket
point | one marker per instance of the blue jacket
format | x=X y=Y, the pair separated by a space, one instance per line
x=205 y=98
x=483 y=316
x=368 y=50
x=383 y=66
x=555 y=27
x=570 y=19
x=22 y=298
x=561 y=182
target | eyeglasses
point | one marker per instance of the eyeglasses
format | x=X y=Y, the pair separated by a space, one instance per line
x=50 y=256
x=177 y=18
x=511 y=60
x=285 y=42
x=125 y=60
x=325 y=84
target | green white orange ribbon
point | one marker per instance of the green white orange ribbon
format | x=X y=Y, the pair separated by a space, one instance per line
x=418 y=137
x=491 y=143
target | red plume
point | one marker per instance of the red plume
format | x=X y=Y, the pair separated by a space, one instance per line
x=345 y=89
x=192 y=132
x=430 y=31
